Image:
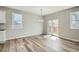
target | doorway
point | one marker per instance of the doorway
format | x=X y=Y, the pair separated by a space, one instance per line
x=53 y=27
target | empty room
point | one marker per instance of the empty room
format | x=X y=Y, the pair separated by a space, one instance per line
x=39 y=28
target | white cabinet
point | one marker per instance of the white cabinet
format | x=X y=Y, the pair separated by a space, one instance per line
x=2 y=16
x=2 y=21
x=2 y=36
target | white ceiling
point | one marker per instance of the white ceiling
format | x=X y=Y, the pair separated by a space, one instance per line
x=45 y=9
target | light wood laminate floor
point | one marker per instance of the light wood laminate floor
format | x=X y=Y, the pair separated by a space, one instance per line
x=40 y=43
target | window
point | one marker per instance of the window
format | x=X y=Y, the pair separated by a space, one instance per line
x=74 y=21
x=16 y=21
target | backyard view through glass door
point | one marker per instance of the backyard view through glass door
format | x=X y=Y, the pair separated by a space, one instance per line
x=53 y=27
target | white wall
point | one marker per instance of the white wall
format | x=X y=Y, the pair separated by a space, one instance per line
x=64 y=24
x=31 y=25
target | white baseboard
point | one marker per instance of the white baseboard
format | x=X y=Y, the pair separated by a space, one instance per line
x=69 y=39
x=22 y=36
x=1 y=42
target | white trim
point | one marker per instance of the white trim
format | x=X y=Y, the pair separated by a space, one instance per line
x=22 y=36
x=69 y=38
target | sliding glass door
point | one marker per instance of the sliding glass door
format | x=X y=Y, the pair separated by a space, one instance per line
x=53 y=27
